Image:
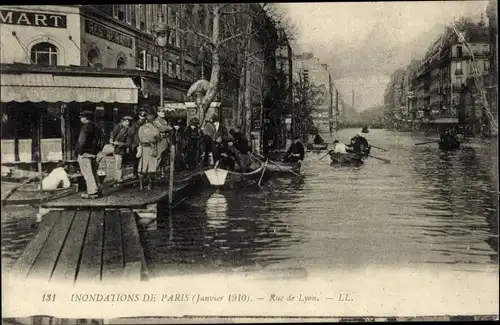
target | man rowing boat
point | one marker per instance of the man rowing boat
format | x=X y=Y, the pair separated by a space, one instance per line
x=359 y=144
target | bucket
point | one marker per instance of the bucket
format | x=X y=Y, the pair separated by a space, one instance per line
x=216 y=177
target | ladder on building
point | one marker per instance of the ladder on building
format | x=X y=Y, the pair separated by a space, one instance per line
x=477 y=82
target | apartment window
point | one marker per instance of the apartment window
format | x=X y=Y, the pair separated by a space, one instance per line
x=177 y=32
x=138 y=16
x=140 y=60
x=306 y=76
x=128 y=14
x=164 y=9
x=148 y=62
x=148 y=19
x=155 y=64
x=459 y=51
x=164 y=66
x=115 y=11
x=178 y=71
x=44 y=54
x=121 y=63
x=170 y=72
x=93 y=56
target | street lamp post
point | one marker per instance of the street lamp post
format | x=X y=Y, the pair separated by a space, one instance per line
x=161 y=33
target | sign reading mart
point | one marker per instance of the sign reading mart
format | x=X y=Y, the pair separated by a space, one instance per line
x=38 y=19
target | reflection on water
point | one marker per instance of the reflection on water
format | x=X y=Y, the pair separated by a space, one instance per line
x=425 y=208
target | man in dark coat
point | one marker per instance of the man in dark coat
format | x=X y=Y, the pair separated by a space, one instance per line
x=240 y=148
x=87 y=148
x=296 y=151
x=358 y=144
x=220 y=140
x=318 y=139
x=192 y=138
x=120 y=139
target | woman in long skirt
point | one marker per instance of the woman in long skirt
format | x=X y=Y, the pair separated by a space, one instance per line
x=163 y=144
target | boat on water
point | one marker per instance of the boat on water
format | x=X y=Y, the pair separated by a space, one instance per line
x=220 y=177
x=346 y=159
x=317 y=147
x=15 y=194
x=282 y=167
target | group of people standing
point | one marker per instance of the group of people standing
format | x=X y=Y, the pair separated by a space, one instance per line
x=147 y=142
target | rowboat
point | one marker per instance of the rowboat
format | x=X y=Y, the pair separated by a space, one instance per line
x=448 y=146
x=281 y=167
x=312 y=146
x=219 y=177
x=14 y=194
x=346 y=159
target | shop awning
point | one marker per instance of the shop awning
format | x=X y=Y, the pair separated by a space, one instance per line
x=50 y=88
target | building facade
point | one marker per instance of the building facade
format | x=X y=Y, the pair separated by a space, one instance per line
x=308 y=68
x=442 y=88
x=492 y=79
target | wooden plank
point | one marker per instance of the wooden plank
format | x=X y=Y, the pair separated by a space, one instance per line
x=28 y=257
x=132 y=272
x=46 y=261
x=132 y=247
x=67 y=265
x=91 y=259
x=112 y=259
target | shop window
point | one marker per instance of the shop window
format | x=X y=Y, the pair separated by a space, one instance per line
x=121 y=63
x=44 y=54
x=93 y=57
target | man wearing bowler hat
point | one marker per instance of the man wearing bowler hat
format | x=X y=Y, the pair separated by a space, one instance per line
x=87 y=147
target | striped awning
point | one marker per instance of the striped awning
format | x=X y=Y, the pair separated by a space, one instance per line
x=50 y=88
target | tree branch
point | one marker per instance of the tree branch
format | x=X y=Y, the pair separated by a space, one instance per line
x=232 y=37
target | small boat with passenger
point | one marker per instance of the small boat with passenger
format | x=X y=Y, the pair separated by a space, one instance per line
x=221 y=177
x=346 y=159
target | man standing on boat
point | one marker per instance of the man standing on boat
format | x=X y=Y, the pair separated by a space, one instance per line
x=208 y=143
x=193 y=143
x=87 y=147
x=119 y=138
x=220 y=138
x=147 y=152
x=296 y=151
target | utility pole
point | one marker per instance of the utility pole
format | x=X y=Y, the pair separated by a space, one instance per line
x=337 y=113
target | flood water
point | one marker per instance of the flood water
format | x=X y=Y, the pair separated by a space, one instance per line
x=425 y=208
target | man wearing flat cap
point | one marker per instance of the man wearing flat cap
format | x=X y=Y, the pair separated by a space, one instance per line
x=87 y=147
x=193 y=143
x=119 y=138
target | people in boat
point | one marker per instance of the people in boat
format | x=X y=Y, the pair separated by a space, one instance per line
x=119 y=139
x=220 y=142
x=239 y=149
x=296 y=151
x=134 y=138
x=365 y=129
x=193 y=143
x=87 y=148
x=358 y=144
x=57 y=178
x=338 y=147
x=208 y=142
x=449 y=139
x=165 y=130
x=178 y=138
x=147 y=152
x=318 y=139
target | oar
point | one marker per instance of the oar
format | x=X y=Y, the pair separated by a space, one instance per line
x=387 y=161
x=378 y=147
x=329 y=151
x=263 y=171
x=434 y=141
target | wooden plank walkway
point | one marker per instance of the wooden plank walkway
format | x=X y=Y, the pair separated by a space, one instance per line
x=129 y=196
x=77 y=245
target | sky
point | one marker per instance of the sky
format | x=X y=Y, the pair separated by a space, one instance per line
x=364 y=42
